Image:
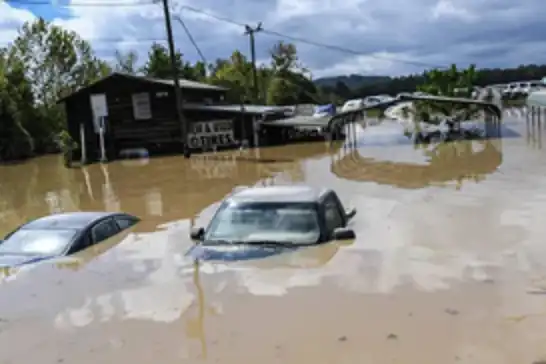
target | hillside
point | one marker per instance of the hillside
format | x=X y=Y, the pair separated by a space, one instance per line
x=352 y=81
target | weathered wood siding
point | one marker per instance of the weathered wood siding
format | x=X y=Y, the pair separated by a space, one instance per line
x=122 y=129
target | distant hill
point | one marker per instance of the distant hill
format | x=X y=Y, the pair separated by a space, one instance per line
x=352 y=81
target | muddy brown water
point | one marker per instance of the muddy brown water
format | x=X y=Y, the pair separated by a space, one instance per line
x=449 y=264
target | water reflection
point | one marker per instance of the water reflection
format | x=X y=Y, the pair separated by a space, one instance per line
x=163 y=190
x=455 y=264
x=276 y=275
x=534 y=129
x=196 y=326
x=437 y=158
x=73 y=262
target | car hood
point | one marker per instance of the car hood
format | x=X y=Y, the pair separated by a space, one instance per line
x=14 y=260
x=227 y=252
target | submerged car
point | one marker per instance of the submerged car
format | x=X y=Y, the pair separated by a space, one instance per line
x=60 y=235
x=261 y=221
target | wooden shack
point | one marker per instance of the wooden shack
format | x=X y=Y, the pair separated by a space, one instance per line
x=139 y=113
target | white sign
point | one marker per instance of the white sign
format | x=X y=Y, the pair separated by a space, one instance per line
x=99 y=109
x=209 y=134
x=142 y=108
x=98 y=105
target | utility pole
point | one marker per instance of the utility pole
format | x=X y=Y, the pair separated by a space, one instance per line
x=250 y=32
x=177 y=91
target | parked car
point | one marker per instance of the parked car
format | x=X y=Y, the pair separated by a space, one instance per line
x=60 y=235
x=354 y=104
x=525 y=88
x=510 y=91
x=372 y=100
x=256 y=222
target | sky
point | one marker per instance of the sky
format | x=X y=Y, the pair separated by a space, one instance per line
x=388 y=37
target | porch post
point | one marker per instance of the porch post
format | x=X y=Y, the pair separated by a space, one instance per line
x=83 y=147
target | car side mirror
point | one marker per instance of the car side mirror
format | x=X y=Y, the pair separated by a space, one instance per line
x=197 y=233
x=343 y=234
x=350 y=213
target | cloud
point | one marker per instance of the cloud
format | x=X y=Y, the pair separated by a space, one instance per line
x=386 y=37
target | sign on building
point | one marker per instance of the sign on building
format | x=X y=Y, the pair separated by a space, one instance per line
x=99 y=109
x=209 y=134
x=142 y=108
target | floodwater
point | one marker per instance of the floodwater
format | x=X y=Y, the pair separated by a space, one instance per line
x=449 y=264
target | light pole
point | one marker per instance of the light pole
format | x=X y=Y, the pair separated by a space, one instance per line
x=177 y=90
x=250 y=32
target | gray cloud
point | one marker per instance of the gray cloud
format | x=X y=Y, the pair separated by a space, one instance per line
x=490 y=33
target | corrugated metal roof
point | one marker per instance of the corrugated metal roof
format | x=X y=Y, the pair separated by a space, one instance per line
x=301 y=121
x=251 y=109
x=185 y=83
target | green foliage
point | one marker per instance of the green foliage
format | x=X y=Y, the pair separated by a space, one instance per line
x=67 y=145
x=362 y=86
x=44 y=63
x=451 y=82
x=158 y=65
x=126 y=63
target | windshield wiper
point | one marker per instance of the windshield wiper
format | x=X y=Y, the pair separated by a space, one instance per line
x=266 y=243
x=216 y=242
x=250 y=242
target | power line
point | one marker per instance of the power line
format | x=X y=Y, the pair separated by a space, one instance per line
x=233 y=22
x=82 y=3
x=214 y=16
x=250 y=31
x=347 y=50
x=190 y=37
x=311 y=42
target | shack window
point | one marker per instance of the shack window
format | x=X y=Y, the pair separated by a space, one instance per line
x=142 y=109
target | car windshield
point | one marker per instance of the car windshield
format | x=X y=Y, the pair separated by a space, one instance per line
x=255 y=222
x=37 y=242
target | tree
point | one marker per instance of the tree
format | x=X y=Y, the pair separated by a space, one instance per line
x=284 y=58
x=288 y=83
x=126 y=62
x=450 y=83
x=158 y=64
x=342 y=90
x=199 y=71
x=15 y=97
x=44 y=63
x=236 y=75
x=57 y=60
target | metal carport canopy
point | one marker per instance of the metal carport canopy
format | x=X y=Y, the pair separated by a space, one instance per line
x=537 y=98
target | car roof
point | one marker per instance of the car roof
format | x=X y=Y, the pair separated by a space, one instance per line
x=295 y=194
x=69 y=220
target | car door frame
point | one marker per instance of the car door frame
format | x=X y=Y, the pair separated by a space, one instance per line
x=135 y=220
x=89 y=230
x=326 y=233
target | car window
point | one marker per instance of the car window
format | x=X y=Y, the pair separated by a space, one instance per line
x=286 y=222
x=332 y=214
x=37 y=242
x=125 y=222
x=82 y=243
x=104 y=230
